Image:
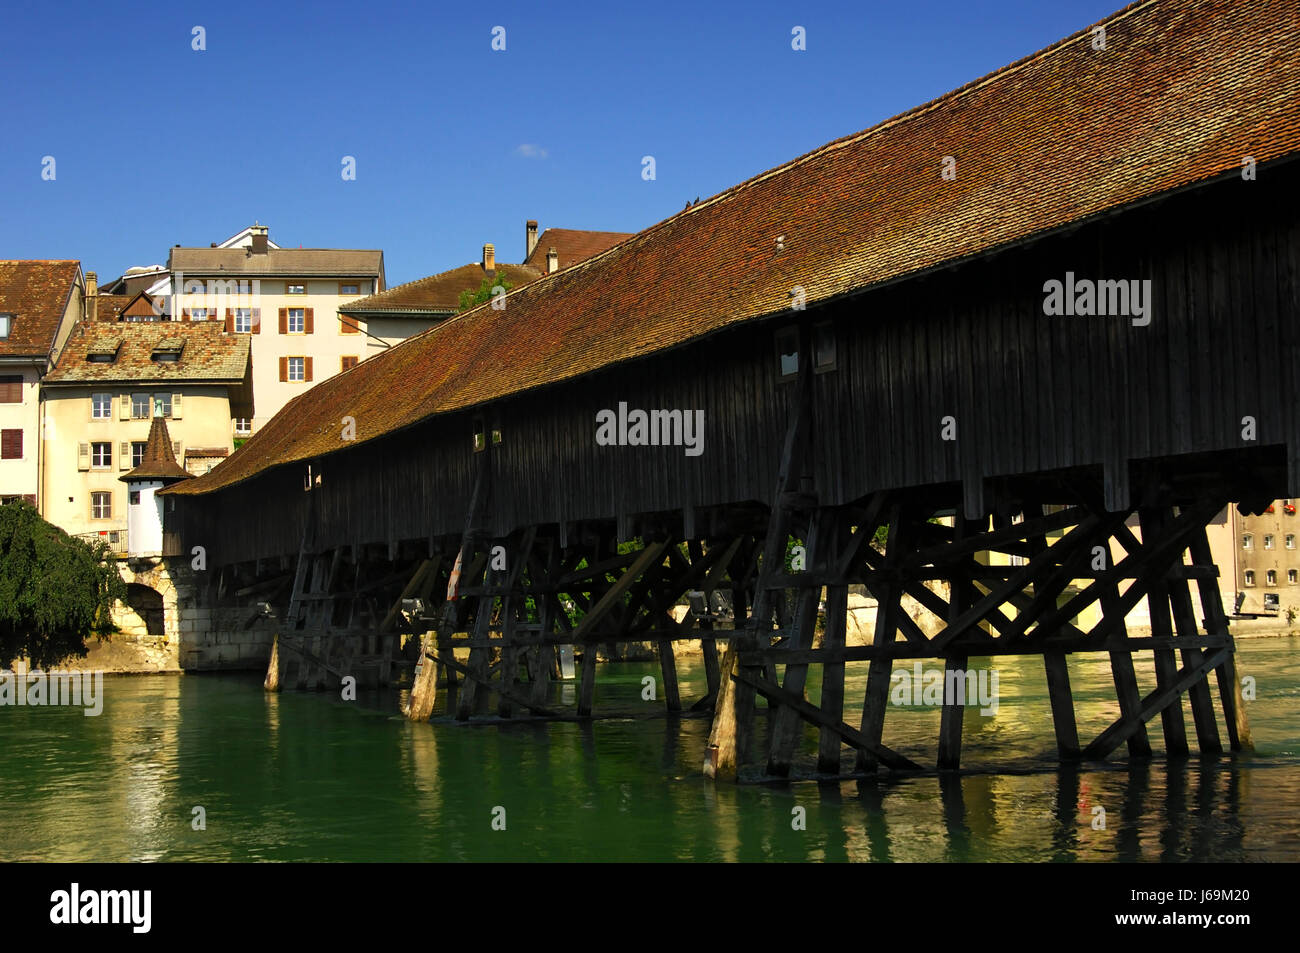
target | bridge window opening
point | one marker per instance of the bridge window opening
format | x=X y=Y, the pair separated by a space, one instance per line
x=824 y=347
x=787 y=352
x=480 y=436
x=496 y=437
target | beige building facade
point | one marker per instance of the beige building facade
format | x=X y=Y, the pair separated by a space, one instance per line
x=100 y=401
x=40 y=302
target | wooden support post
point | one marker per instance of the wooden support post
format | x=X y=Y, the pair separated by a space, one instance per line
x=832 y=701
x=272 y=681
x=1198 y=695
x=1158 y=604
x=1125 y=678
x=888 y=610
x=1062 y=702
x=1216 y=623
x=668 y=667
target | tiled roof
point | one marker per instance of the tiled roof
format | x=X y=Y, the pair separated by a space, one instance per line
x=209 y=353
x=437 y=294
x=572 y=246
x=158 y=462
x=109 y=306
x=284 y=262
x=36 y=293
x=1183 y=90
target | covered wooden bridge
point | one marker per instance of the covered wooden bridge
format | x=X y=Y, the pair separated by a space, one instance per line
x=1056 y=309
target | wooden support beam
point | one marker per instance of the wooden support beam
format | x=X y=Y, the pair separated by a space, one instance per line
x=611 y=598
x=1127 y=725
x=1216 y=624
x=472 y=677
x=832 y=700
x=1171 y=719
x=851 y=735
x=888 y=612
x=1061 y=700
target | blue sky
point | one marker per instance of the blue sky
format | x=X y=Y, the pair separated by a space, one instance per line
x=157 y=144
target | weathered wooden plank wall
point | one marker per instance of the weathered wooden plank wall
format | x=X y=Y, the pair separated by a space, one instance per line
x=1030 y=393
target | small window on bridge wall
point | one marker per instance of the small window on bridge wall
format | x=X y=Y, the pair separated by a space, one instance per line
x=480 y=436
x=787 y=353
x=824 y=347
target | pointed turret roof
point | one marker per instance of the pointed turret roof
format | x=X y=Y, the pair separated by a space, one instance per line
x=159 y=462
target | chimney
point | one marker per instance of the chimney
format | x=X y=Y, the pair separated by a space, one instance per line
x=531 y=243
x=489 y=257
x=552 y=261
x=92 y=296
x=259 y=240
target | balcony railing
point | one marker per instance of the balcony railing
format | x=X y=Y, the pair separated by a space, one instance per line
x=114 y=538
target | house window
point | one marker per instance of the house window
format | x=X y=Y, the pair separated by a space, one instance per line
x=139 y=406
x=11 y=443
x=101 y=455
x=349 y=288
x=1271 y=577
x=296 y=321
x=6 y=323
x=1248 y=542
x=298 y=288
x=1268 y=542
x=133 y=498
x=1249 y=576
x=1291 y=576
x=137 y=452
x=243 y=320
x=296 y=369
x=787 y=352
x=243 y=426
x=347 y=361
x=11 y=389
x=1290 y=540
x=162 y=405
x=824 y=347
x=101 y=505
x=101 y=406
x=200 y=314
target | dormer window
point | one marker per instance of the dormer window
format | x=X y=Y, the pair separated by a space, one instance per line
x=168 y=350
x=6 y=325
x=103 y=353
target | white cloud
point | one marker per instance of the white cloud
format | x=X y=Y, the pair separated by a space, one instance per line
x=531 y=151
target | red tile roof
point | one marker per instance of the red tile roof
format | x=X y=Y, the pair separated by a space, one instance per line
x=109 y=307
x=1184 y=90
x=283 y=262
x=572 y=246
x=36 y=293
x=158 y=461
x=208 y=354
x=437 y=294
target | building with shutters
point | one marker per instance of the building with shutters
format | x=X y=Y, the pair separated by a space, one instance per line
x=40 y=301
x=285 y=302
x=112 y=380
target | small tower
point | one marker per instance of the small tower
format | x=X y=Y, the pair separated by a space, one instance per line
x=144 y=514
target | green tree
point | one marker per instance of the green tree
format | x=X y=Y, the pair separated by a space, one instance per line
x=55 y=591
x=472 y=299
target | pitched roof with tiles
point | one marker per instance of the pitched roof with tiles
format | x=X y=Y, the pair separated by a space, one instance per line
x=36 y=293
x=572 y=246
x=110 y=307
x=207 y=353
x=436 y=294
x=1052 y=140
x=282 y=262
x=158 y=462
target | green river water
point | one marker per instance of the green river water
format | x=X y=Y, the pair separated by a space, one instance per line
x=308 y=776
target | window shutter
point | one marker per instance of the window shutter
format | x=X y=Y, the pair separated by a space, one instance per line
x=284 y=362
x=349 y=325
x=176 y=406
x=307 y=322
x=83 y=456
x=124 y=407
x=11 y=444
x=185 y=314
x=284 y=323
x=230 y=320
x=124 y=455
x=256 y=320
x=306 y=368
x=30 y=498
